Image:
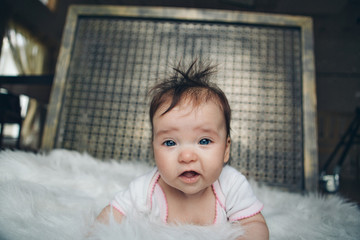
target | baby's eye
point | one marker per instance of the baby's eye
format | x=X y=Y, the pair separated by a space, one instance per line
x=169 y=143
x=205 y=141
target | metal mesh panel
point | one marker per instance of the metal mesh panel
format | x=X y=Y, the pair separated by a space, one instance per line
x=115 y=60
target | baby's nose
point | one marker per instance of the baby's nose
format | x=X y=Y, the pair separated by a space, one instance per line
x=187 y=155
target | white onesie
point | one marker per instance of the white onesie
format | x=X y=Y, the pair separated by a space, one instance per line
x=234 y=197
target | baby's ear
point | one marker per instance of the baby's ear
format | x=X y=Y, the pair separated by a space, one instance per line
x=227 y=150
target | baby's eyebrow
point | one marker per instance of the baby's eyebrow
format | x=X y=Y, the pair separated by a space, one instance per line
x=207 y=130
x=166 y=131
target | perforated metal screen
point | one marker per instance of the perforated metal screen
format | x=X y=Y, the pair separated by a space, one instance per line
x=114 y=61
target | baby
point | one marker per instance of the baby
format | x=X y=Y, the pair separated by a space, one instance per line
x=191 y=184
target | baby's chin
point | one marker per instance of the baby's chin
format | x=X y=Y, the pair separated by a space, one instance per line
x=185 y=188
x=190 y=191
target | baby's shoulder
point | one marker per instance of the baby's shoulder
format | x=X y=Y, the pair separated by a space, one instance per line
x=134 y=197
x=143 y=180
x=231 y=179
x=230 y=174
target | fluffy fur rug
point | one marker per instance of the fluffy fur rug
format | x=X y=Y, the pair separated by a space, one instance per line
x=58 y=195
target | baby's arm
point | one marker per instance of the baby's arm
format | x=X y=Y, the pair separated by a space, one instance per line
x=255 y=228
x=104 y=215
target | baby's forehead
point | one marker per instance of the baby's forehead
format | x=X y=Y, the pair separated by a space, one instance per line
x=189 y=101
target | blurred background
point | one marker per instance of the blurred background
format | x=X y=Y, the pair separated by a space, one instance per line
x=31 y=32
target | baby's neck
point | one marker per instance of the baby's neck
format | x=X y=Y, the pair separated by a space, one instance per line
x=196 y=208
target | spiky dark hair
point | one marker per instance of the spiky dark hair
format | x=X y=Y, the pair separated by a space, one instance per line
x=192 y=82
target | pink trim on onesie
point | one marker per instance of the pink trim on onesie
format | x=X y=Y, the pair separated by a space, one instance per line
x=153 y=183
x=164 y=211
x=249 y=212
x=159 y=194
x=118 y=209
x=216 y=212
x=219 y=197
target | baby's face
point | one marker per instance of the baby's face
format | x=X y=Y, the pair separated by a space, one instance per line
x=190 y=145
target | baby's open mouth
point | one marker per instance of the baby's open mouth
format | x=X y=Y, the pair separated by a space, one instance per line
x=189 y=174
x=190 y=177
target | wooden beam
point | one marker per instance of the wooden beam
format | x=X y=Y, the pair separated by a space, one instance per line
x=38 y=87
x=4 y=17
x=37 y=18
x=28 y=79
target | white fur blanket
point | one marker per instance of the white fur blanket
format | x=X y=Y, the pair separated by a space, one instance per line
x=58 y=195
